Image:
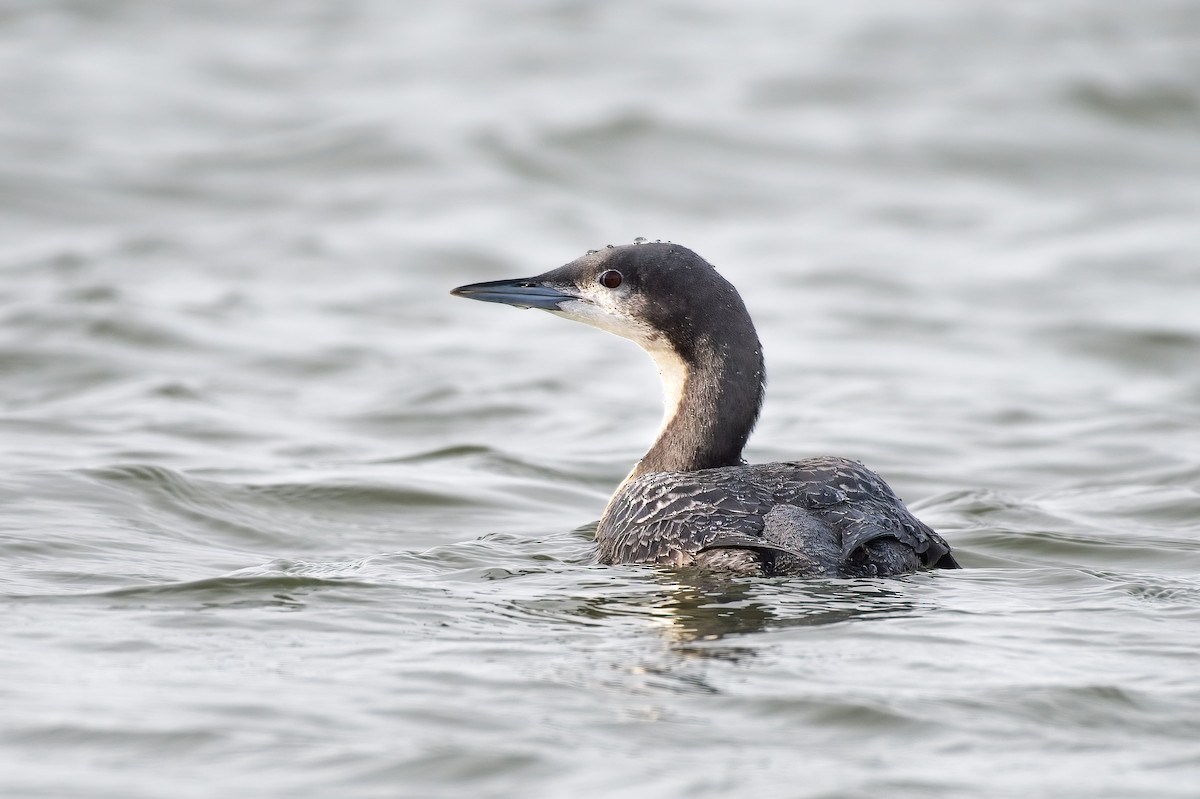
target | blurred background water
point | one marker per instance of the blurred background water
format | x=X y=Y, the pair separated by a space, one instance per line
x=280 y=517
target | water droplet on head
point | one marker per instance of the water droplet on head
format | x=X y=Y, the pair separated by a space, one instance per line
x=592 y=252
x=640 y=240
x=610 y=246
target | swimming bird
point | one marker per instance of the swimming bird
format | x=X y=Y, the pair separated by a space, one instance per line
x=691 y=500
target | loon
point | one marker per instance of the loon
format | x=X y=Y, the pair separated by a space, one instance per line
x=692 y=500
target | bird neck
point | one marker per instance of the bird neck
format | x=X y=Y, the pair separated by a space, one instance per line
x=711 y=402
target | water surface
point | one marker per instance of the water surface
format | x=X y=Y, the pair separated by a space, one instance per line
x=281 y=517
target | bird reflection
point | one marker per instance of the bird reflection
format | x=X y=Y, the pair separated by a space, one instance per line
x=697 y=608
x=704 y=614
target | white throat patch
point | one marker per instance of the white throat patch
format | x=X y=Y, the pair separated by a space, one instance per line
x=593 y=310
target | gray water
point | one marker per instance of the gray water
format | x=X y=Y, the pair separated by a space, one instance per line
x=279 y=517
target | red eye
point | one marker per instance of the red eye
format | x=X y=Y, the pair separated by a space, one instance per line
x=611 y=279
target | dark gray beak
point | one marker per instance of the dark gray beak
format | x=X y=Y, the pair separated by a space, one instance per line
x=523 y=293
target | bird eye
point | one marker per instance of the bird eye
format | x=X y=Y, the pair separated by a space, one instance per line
x=611 y=279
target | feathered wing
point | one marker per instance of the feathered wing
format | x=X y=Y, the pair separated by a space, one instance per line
x=819 y=517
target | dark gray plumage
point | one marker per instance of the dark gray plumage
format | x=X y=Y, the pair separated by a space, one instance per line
x=815 y=517
x=691 y=500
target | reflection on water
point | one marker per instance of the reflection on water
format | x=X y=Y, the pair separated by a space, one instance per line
x=689 y=607
x=703 y=608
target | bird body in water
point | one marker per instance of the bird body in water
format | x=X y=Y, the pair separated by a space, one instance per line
x=691 y=500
